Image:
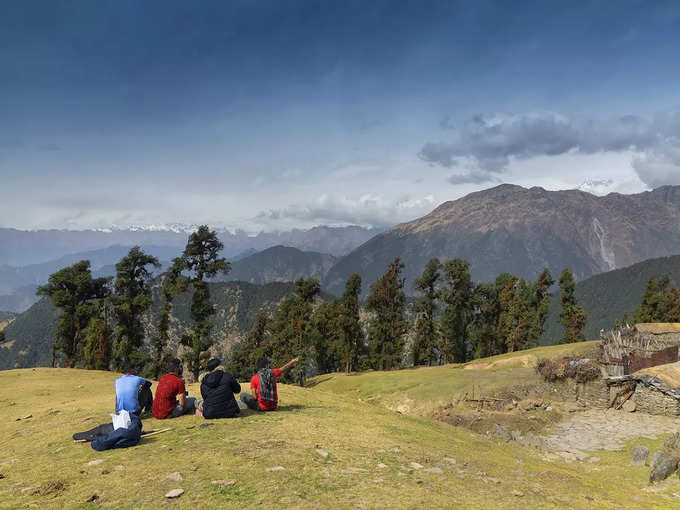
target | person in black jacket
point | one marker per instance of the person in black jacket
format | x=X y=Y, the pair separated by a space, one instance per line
x=217 y=389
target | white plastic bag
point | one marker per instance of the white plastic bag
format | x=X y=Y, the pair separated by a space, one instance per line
x=121 y=420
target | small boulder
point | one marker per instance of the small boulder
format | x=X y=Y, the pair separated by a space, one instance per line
x=415 y=465
x=381 y=465
x=629 y=406
x=672 y=443
x=501 y=432
x=639 y=455
x=517 y=493
x=656 y=458
x=174 y=493
x=435 y=470
x=27 y=417
x=94 y=462
x=664 y=468
x=93 y=498
x=274 y=468
x=175 y=477
x=322 y=453
x=224 y=483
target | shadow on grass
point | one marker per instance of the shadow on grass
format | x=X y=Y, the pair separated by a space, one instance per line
x=318 y=380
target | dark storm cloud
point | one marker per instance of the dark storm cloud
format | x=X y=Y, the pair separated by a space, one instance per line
x=488 y=142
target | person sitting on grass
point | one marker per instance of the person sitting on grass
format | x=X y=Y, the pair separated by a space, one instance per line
x=171 y=400
x=133 y=393
x=264 y=396
x=217 y=389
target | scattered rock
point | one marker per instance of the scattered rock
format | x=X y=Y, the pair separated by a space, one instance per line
x=672 y=443
x=629 y=406
x=381 y=465
x=493 y=480
x=501 y=432
x=435 y=470
x=54 y=412
x=175 y=477
x=95 y=462
x=224 y=483
x=517 y=493
x=204 y=425
x=639 y=455
x=174 y=493
x=27 y=417
x=664 y=468
x=418 y=481
x=51 y=488
x=105 y=471
x=93 y=498
x=655 y=459
x=415 y=465
x=322 y=453
x=2 y=476
x=274 y=468
x=30 y=490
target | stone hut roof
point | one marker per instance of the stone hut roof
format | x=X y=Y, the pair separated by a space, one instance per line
x=658 y=328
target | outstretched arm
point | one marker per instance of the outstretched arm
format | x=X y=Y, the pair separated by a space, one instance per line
x=289 y=365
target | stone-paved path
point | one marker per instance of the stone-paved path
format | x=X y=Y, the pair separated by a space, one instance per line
x=597 y=429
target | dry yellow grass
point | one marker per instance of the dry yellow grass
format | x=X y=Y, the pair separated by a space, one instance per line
x=359 y=436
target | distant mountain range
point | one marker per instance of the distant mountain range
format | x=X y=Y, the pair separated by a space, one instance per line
x=18 y=282
x=522 y=231
x=19 y=248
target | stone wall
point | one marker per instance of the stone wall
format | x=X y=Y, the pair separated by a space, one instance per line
x=652 y=401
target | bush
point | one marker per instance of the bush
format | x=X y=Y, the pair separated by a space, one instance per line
x=581 y=370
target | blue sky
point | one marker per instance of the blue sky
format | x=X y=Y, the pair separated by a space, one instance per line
x=268 y=115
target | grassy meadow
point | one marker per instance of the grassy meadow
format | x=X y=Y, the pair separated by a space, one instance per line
x=374 y=453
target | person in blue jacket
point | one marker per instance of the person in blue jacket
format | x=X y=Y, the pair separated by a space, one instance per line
x=133 y=393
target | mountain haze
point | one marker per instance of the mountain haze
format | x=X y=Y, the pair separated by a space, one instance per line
x=523 y=231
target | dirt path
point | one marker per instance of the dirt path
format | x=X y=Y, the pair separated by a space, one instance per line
x=597 y=429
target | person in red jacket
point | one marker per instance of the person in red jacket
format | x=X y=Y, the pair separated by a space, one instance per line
x=170 y=400
x=264 y=396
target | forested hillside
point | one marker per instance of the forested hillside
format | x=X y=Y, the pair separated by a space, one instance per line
x=29 y=338
x=607 y=296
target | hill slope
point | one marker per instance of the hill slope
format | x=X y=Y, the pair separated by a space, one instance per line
x=607 y=296
x=280 y=264
x=510 y=228
x=370 y=451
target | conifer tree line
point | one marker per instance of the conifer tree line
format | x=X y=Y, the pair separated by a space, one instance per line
x=452 y=319
x=100 y=326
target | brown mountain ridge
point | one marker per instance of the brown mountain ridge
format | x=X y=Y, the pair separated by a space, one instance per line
x=520 y=230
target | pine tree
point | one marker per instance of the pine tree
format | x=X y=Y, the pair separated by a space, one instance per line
x=484 y=329
x=97 y=351
x=573 y=318
x=77 y=294
x=244 y=356
x=387 y=328
x=131 y=299
x=292 y=331
x=660 y=302
x=173 y=283
x=458 y=311
x=425 y=341
x=350 y=336
x=201 y=259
